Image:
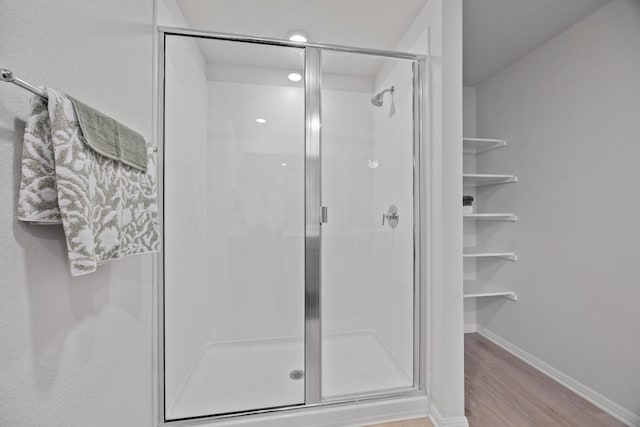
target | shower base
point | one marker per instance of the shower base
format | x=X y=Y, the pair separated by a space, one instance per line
x=253 y=374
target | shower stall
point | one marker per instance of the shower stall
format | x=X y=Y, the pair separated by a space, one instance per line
x=291 y=274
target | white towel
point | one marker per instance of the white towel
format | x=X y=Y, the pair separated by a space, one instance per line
x=108 y=209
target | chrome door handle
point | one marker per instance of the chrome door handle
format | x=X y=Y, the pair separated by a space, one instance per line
x=391 y=216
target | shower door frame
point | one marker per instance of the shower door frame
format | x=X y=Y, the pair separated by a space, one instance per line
x=313 y=333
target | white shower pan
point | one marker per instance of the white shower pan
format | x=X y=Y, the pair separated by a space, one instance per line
x=235 y=375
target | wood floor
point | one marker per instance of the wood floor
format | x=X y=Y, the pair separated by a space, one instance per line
x=418 y=422
x=502 y=390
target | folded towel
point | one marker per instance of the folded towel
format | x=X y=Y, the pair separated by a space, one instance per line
x=108 y=208
x=110 y=137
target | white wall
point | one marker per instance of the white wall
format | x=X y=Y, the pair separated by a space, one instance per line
x=347 y=268
x=449 y=377
x=469 y=227
x=348 y=186
x=274 y=291
x=569 y=111
x=185 y=211
x=392 y=183
x=367 y=269
x=442 y=41
x=445 y=240
x=255 y=273
x=75 y=351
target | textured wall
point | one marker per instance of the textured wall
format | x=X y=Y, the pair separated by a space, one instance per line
x=75 y=351
x=569 y=111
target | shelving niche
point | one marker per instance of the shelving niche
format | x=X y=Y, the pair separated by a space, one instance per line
x=475 y=288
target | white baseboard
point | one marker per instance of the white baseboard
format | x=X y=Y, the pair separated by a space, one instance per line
x=470 y=328
x=602 y=402
x=439 y=421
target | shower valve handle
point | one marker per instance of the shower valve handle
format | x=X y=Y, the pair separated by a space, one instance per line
x=391 y=216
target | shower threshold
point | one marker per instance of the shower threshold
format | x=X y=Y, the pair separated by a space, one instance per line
x=236 y=376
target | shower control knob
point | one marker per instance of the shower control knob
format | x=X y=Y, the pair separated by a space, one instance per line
x=391 y=216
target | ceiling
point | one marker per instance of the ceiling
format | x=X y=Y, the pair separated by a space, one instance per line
x=288 y=59
x=376 y=24
x=496 y=32
x=499 y=32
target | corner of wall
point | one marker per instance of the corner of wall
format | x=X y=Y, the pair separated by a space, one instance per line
x=447 y=320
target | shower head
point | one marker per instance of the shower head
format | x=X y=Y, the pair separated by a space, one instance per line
x=378 y=100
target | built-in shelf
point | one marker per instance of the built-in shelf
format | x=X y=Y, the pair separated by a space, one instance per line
x=480 y=145
x=480 y=179
x=491 y=217
x=476 y=289
x=488 y=253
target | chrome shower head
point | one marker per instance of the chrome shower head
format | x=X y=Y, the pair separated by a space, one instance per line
x=378 y=100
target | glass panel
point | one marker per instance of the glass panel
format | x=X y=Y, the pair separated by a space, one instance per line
x=367 y=266
x=234 y=227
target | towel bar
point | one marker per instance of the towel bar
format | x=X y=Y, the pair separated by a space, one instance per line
x=8 y=76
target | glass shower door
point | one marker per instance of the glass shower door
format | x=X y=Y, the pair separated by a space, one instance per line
x=290 y=271
x=367 y=242
x=233 y=227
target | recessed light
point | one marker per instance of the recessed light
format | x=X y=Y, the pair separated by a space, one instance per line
x=294 y=77
x=298 y=36
x=283 y=164
x=261 y=121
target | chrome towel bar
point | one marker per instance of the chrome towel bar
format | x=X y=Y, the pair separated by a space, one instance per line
x=9 y=77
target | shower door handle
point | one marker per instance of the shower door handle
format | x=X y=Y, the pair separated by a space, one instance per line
x=391 y=216
x=323 y=215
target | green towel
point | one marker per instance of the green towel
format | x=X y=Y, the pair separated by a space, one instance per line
x=108 y=210
x=111 y=138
